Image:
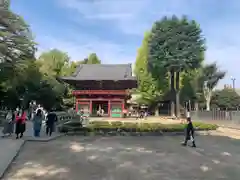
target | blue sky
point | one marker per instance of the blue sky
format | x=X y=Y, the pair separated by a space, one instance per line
x=114 y=29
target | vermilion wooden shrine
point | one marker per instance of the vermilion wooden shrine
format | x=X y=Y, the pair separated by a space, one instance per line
x=99 y=86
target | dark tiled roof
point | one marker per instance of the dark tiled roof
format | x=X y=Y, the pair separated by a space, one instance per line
x=102 y=72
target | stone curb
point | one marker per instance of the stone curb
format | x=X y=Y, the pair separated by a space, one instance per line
x=224 y=126
x=101 y=134
x=2 y=174
x=44 y=140
x=20 y=149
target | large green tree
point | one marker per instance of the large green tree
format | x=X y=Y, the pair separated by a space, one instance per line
x=176 y=45
x=53 y=62
x=15 y=36
x=148 y=89
x=16 y=53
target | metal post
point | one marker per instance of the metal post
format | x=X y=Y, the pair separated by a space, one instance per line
x=233 y=82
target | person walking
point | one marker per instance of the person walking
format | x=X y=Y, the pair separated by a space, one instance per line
x=8 y=124
x=37 y=123
x=20 y=128
x=50 y=123
x=189 y=133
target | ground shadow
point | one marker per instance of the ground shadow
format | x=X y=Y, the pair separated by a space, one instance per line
x=134 y=158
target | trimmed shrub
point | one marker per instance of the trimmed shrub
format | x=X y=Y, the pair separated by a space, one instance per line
x=104 y=126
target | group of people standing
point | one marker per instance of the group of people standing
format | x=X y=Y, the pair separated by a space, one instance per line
x=51 y=119
x=18 y=119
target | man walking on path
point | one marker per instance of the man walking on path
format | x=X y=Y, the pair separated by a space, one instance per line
x=50 y=123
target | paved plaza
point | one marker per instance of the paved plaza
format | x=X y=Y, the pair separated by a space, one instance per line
x=9 y=146
x=127 y=158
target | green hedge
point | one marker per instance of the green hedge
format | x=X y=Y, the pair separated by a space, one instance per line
x=104 y=126
x=150 y=126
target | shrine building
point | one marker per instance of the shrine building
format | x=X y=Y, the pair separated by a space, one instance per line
x=102 y=86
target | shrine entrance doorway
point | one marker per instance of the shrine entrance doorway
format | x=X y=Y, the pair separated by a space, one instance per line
x=99 y=108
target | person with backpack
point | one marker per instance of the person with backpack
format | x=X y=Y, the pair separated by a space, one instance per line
x=50 y=122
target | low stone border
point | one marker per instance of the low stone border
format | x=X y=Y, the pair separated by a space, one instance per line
x=28 y=139
x=51 y=138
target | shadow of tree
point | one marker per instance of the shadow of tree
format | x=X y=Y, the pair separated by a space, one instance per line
x=133 y=158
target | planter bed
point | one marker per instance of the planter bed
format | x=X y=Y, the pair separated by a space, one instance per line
x=104 y=128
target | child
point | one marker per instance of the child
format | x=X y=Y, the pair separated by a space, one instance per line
x=189 y=133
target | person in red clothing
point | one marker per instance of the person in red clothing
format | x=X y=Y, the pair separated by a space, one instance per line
x=20 y=128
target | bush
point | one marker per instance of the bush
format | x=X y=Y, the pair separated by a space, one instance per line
x=203 y=126
x=118 y=126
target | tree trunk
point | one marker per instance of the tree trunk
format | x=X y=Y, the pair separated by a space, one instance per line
x=172 y=89
x=196 y=106
x=177 y=94
x=157 y=111
x=208 y=96
x=172 y=108
x=208 y=104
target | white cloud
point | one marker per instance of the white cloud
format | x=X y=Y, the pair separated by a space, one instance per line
x=130 y=16
x=108 y=52
x=124 y=14
x=133 y=17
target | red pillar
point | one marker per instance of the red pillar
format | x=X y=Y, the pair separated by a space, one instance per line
x=123 y=106
x=76 y=105
x=109 y=107
x=90 y=107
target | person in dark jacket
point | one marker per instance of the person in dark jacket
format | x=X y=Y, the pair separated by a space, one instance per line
x=189 y=133
x=50 y=123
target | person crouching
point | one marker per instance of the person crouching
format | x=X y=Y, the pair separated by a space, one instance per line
x=189 y=133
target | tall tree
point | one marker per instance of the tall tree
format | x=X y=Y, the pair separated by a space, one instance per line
x=210 y=75
x=177 y=45
x=53 y=62
x=16 y=52
x=92 y=59
x=15 y=36
x=148 y=88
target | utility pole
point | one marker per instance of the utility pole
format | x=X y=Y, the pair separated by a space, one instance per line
x=233 y=82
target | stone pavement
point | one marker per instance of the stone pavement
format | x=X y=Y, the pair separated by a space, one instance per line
x=10 y=146
x=9 y=149
x=132 y=158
